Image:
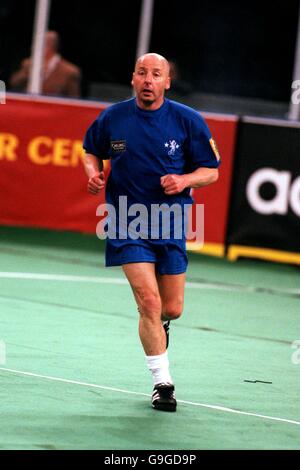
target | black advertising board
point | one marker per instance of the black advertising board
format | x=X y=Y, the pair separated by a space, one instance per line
x=264 y=219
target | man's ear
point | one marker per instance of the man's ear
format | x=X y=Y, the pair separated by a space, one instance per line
x=168 y=84
x=132 y=79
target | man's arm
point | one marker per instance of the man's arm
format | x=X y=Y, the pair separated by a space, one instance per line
x=19 y=79
x=175 y=184
x=94 y=169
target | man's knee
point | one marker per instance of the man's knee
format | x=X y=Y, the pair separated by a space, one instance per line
x=149 y=303
x=172 y=311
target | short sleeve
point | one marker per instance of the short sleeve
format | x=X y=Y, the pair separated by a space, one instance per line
x=202 y=149
x=96 y=140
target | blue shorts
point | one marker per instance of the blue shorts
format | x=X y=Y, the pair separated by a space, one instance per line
x=169 y=257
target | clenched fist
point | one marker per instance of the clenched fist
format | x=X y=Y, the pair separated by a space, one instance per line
x=96 y=183
x=173 y=184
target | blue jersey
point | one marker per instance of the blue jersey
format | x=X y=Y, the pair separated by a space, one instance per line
x=145 y=145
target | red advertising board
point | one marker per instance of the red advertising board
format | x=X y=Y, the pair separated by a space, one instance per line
x=216 y=196
x=42 y=179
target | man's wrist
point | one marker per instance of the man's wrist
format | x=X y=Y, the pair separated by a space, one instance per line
x=186 y=180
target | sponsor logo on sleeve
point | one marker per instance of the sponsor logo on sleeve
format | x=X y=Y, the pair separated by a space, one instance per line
x=215 y=148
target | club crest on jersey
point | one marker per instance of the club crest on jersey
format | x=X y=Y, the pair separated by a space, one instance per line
x=172 y=146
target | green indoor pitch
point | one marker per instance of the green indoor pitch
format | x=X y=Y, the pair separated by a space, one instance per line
x=73 y=373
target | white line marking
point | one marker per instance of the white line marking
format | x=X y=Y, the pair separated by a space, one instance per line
x=214 y=407
x=116 y=280
x=62 y=277
x=270 y=121
x=58 y=379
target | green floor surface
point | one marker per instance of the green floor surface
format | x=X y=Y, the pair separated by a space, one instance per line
x=238 y=326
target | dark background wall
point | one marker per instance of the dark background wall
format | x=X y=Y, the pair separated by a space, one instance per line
x=223 y=47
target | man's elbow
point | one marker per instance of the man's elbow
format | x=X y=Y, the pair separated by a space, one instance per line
x=215 y=175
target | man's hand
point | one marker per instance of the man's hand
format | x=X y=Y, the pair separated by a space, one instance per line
x=96 y=183
x=173 y=184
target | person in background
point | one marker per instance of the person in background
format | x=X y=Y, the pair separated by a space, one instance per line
x=60 y=77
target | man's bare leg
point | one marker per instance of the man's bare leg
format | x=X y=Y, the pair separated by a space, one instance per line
x=171 y=289
x=142 y=279
x=143 y=282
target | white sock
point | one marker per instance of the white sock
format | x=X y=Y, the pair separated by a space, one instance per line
x=159 y=368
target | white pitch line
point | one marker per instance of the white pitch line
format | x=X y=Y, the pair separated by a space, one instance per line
x=58 y=379
x=92 y=279
x=115 y=280
x=62 y=278
x=203 y=405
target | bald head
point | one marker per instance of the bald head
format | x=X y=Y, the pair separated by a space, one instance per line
x=156 y=57
x=150 y=80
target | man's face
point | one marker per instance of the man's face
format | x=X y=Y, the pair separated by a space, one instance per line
x=50 y=47
x=150 y=80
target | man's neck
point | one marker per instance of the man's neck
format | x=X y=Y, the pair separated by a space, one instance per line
x=148 y=106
